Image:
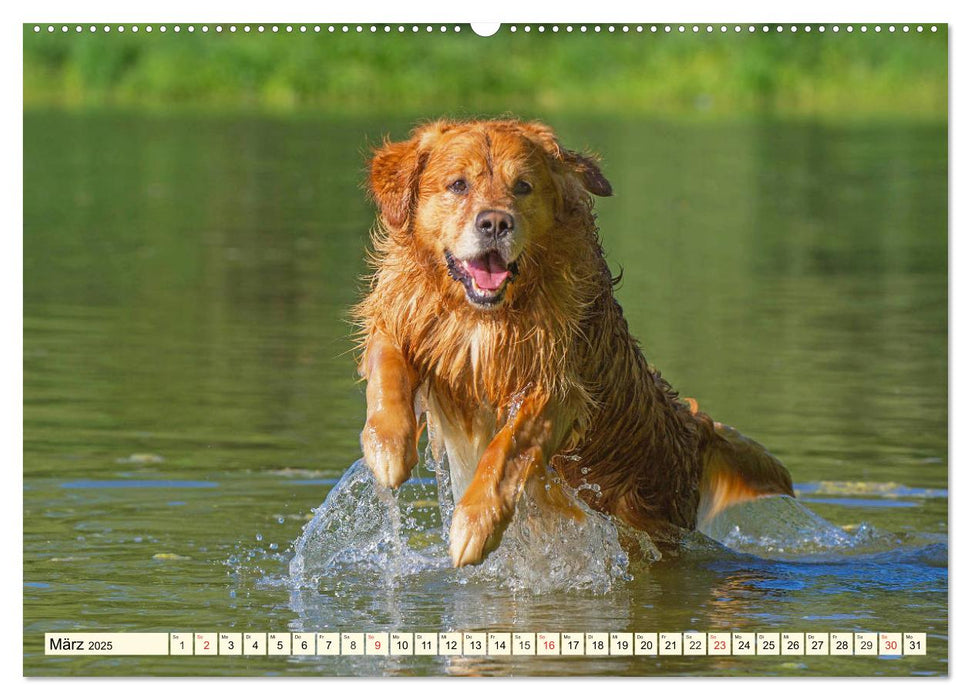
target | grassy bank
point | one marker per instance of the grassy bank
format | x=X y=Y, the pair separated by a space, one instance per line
x=785 y=74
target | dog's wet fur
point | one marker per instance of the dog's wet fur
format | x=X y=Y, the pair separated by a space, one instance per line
x=491 y=310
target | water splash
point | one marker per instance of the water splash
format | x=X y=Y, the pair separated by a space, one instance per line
x=443 y=478
x=783 y=528
x=543 y=551
x=361 y=523
x=366 y=533
x=363 y=529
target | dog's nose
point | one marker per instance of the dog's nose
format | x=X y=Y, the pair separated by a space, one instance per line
x=494 y=223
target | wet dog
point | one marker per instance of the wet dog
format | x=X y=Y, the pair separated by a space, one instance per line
x=491 y=311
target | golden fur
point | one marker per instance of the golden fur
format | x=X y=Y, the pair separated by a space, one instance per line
x=548 y=375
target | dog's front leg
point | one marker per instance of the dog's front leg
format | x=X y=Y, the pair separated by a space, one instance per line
x=519 y=451
x=389 y=438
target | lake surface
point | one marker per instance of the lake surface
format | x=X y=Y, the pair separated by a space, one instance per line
x=190 y=397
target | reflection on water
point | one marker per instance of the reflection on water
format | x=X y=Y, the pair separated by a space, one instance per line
x=189 y=395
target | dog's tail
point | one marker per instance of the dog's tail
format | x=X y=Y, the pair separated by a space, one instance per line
x=737 y=469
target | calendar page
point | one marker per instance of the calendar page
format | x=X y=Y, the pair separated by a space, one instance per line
x=516 y=349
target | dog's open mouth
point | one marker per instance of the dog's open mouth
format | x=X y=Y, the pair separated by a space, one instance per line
x=485 y=278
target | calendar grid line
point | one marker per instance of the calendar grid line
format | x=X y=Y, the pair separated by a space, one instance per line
x=491 y=644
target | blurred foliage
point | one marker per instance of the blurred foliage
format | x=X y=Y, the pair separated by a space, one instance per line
x=787 y=74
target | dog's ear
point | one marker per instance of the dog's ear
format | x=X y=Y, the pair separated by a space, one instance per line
x=582 y=166
x=394 y=172
x=393 y=180
x=586 y=168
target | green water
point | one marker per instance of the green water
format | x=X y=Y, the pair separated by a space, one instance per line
x=189 y=394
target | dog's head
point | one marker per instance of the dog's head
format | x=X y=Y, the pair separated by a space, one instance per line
x=480 y=198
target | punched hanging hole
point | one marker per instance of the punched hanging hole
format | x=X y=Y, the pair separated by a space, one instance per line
x=485 y=28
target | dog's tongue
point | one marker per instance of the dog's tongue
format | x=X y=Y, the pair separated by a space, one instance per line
x=489 y=271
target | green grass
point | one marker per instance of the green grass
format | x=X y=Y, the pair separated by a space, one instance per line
x=803 y=75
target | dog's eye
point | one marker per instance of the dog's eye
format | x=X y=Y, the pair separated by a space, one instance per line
x=460 y=186
x=522 y=187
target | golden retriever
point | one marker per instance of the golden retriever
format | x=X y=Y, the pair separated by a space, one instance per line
x=491 y=310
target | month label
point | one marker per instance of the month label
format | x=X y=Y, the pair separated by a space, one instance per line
x=106 y=644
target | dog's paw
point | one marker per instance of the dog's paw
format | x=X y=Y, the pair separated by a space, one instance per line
x=390 y=449
x=476 y=531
